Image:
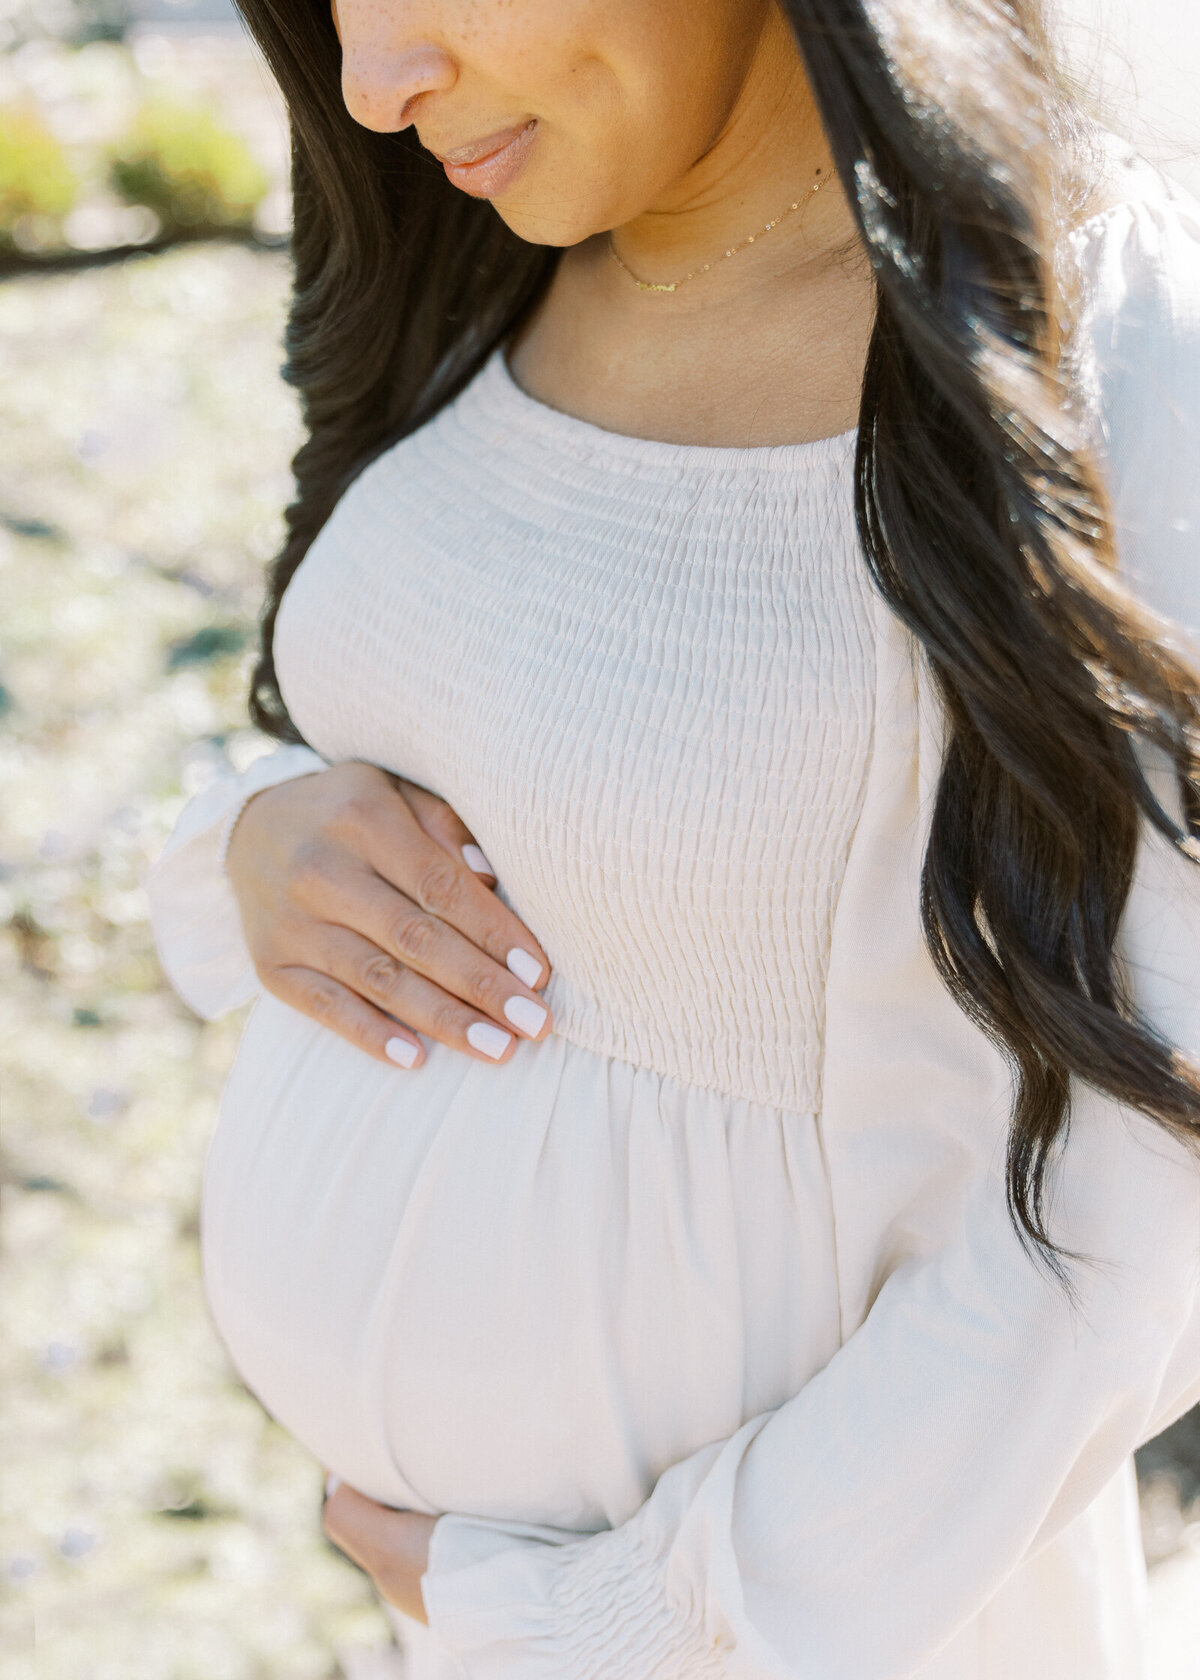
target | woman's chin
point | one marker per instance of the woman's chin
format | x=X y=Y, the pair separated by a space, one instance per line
x=535 y=227
x=548 y=213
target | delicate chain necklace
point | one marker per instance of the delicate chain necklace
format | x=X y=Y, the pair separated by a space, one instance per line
x=674 y=285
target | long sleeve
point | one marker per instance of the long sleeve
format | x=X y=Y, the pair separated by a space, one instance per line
x=973 y=1411
x=193 y=913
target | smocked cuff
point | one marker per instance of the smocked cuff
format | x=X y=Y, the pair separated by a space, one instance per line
x=594 y=1609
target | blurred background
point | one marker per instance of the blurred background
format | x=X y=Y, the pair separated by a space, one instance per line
x=154 y=1524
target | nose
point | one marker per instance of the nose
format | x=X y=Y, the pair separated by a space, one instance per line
x=382 y=79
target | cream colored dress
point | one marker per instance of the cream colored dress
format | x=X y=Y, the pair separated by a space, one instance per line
x=703 y=1320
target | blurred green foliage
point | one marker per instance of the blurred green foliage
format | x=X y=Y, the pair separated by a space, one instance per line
x=74 y=21
x=211 y=642
x=181 y=163
x=36 y=178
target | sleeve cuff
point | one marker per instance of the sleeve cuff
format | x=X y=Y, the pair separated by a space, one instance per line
x=600 y=1608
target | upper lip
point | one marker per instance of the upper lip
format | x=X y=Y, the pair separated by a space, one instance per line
x=478 y=150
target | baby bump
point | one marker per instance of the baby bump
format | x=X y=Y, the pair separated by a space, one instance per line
x=519 y=1291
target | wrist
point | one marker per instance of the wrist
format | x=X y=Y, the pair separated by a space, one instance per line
x=229 y=823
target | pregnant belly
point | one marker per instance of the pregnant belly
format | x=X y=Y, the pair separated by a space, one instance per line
x=518 y=1291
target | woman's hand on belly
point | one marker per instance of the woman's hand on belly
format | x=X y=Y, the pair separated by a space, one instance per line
x=392 y=1546
x=363 y=904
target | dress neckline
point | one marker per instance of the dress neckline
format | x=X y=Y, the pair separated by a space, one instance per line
x=503 y=395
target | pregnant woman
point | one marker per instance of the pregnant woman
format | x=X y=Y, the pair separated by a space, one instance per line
x=711 y=1167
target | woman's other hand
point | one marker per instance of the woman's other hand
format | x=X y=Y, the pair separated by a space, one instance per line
x=392 y=1546
x=361 y=909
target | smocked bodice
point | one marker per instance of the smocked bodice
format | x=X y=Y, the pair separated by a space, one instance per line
x=641 y=672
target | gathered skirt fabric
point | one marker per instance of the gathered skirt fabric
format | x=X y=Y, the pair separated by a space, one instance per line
x=519 y=1291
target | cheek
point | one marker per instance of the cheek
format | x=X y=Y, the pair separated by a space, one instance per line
x=622 y=117
x=627 y=93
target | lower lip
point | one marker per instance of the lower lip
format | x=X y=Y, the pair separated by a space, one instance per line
x=493 y=175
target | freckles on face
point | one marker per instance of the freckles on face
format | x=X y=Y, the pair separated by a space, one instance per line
x=623 y=95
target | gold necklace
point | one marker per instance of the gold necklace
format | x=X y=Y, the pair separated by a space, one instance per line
x=674 y=285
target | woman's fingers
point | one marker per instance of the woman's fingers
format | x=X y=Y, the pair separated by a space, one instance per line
x=425 y=1007
x=360 y=911
x=444 y=825
x=380 y=1004
x=344 y=1012
x=399 y=938
x=392 y=1546
x=397 y=846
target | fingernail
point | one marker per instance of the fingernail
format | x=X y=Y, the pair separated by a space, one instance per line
x=493 y=1041
x=474 y=859
x=524 y=965
x=401 y=1050
x=526 y=1014
x=332 y=1484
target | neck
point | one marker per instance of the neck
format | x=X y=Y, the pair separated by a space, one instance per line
x=765 y=157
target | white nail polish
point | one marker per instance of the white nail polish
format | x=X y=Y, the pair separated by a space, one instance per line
x=493 y=1041
x=524 y=965
x=401 y=1050
x=332 y=1483
x=474 y=859
x=526 y=1014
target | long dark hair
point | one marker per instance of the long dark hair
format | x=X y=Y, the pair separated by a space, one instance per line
x=982 y=518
